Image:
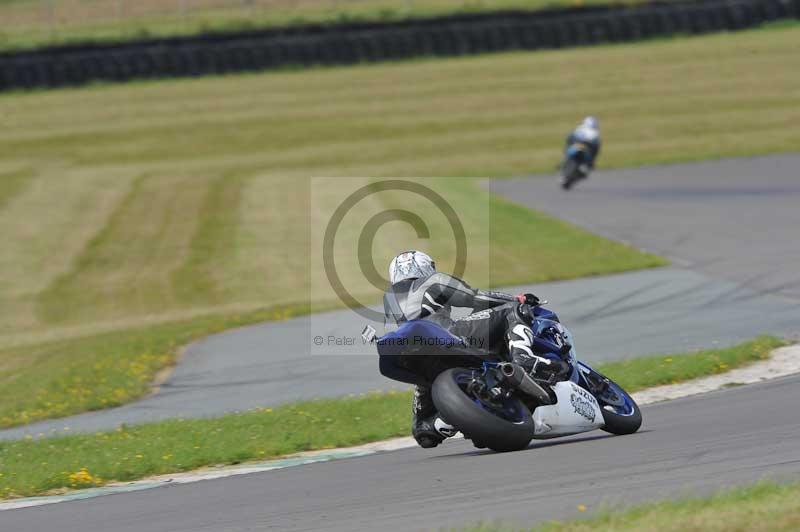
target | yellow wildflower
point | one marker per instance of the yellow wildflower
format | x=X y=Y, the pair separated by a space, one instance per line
x=83 y=478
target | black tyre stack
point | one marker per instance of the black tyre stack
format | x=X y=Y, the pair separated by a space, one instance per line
x=354 y=43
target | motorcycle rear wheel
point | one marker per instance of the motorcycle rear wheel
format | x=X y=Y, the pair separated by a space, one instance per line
x=508 y=427
x=571 y=174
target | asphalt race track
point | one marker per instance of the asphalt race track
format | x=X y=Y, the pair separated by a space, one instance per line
x=730 y=228
x=658 y=311
x=735 y=219
x=688 y=446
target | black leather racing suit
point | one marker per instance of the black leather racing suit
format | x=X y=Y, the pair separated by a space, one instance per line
x=497 y=325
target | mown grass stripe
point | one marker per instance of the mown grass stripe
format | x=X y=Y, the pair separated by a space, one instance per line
x=201 y=277
x=13 y=183
x=55 y=301
x=124 y=271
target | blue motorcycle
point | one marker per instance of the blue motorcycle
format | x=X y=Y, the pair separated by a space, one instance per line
x=496 y=403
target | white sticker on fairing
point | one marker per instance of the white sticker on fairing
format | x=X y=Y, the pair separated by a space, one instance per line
x=575 y=411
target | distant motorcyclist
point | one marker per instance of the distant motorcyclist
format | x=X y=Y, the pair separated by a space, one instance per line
x=588 y=133
x=499 y=322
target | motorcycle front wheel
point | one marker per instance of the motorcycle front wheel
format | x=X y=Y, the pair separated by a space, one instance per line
x=620 y=412
x=501 y=425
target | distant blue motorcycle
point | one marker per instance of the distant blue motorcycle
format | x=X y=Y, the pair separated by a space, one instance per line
x=497 y=404
x=576 y=165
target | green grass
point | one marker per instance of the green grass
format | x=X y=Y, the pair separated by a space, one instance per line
x=764 y=507
x=161 y=202
x=33 y=466
x=11 y=183
x=646 y=372
x=60 y=378
x=28 y=467
x=32 y=23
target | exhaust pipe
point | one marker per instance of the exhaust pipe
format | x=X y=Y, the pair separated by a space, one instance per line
x=516 y=377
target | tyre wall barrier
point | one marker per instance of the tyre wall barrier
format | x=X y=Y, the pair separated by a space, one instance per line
x=355 y=43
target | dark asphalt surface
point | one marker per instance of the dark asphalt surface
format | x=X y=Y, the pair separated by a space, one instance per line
x=734 y=219
x=686 y=447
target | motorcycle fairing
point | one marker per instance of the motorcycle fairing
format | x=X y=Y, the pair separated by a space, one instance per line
x=424 y=337
x=576 y=410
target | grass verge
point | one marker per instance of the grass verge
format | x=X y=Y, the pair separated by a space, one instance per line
x=646 y=372
x=764 y=507
x=34 y=466
x=65 y=377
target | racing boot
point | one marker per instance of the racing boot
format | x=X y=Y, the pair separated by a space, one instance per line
x=520 y=347
x=520 y=337
x=426 y=426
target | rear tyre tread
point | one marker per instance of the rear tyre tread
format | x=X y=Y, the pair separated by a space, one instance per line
x=482 y=427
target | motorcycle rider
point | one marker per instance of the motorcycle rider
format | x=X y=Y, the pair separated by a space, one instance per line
x=499 y=322
x=588 y=133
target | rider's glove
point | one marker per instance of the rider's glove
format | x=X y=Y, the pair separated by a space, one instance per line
x=556 y=366
x=529 y=299
x=543 y=365
x=560 y=368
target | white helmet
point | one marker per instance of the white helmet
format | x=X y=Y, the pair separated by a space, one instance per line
x=590 y=122
x=411 y=265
